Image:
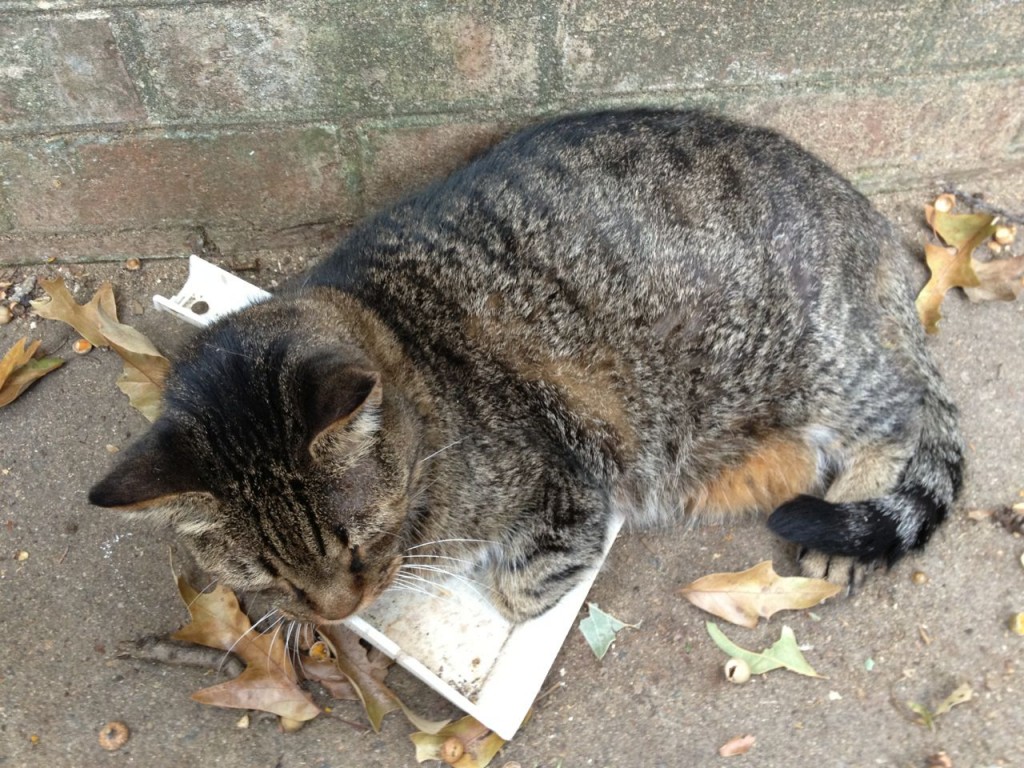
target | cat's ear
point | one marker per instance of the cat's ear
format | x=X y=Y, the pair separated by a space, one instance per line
x=344 y=407
x=151 y=474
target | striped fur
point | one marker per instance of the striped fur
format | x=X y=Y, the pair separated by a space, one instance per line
x=659 y=313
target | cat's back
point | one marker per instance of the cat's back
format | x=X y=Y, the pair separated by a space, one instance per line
x=624 y=205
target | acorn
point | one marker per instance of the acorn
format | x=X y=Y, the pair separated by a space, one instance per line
x=1005 y=234
x=452 y=750
x=319 y=651
x=737 y=671
x=944 y=203
x=132 y=264
x=113 y=736
x=82 y=346
x=919 y=578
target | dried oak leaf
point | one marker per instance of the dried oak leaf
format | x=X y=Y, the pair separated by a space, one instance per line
x=269 y=682
x=997 y=279
x=745 y=596
x=144 y=367
x=466 y=743
x=364 y=669
x=19 y=369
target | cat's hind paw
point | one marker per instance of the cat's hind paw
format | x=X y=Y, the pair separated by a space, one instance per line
x=848 y=572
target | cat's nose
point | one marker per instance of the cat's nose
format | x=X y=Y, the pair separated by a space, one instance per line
x=335 y=604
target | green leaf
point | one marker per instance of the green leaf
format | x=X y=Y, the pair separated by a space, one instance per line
x=924 y=715
x=784 y=653
x=961 y=695
x=959 y=229
x=599 y=629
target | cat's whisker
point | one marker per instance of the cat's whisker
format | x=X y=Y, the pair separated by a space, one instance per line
x=415 y=582
x=291 y=650
x=239 y=639
x=462 y=560
x=468 y=581
x=438 y=590
x=452 y=541
x=292 y=643
x=415 y=497
x=439 y=451
x=199 y=594
x=412 y=590
x=273 y=638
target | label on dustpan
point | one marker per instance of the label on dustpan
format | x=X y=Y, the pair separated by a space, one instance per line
x=449 y=636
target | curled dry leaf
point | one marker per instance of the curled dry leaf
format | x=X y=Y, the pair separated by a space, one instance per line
x=466 y=743
x=737 y=746
x=269 y=682
x=961 y=695
x=144 y=367
x=19 y=369
x=997 y=279
x=926 y=717
x=743 y=597
x=949 y=269
x=364 y=670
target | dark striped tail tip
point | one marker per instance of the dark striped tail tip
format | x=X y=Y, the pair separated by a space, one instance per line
x=861 y=529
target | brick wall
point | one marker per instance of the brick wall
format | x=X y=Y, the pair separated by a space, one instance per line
x=126 y=124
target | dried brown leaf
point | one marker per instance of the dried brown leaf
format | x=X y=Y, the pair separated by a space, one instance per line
x=18 y=369
x=269 y=682
x=948 y=270
x=737 y=746
x=998 y=280
x=329 y=676
x=82 y=317
x=145 y=369
x=960 y=229
x=466 y=743
x=365 y=677
x=745 y=596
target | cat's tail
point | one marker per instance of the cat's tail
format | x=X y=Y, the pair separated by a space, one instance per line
x=884 y=529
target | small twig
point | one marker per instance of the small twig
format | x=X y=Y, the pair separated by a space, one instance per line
x=164 y=651
x=979 y=204
x=548 y=691
x=64 y=556
x=353 y=723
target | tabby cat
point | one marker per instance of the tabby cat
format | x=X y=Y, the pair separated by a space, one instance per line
x=649 y=313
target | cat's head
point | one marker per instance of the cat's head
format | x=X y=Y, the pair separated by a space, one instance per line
x=273 y=462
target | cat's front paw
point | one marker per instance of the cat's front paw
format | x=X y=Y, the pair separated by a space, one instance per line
x=523 y=590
